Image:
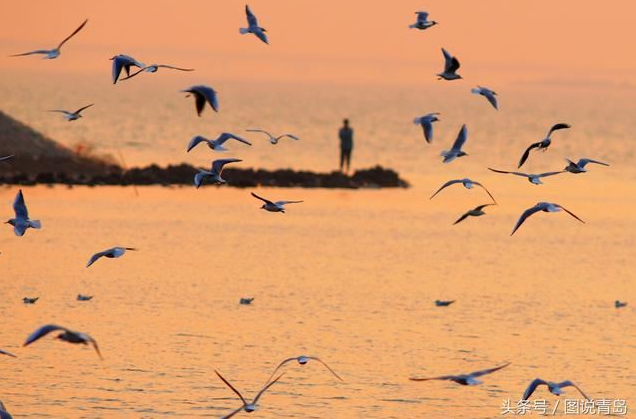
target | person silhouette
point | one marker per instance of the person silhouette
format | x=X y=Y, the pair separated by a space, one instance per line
x=346 y=144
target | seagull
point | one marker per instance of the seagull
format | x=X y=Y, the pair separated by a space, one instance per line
x=475 y=212
x=543 y=144
x=248 y=407
x=201 y=95
x=532 y=177
x=113 y=252
x=21 y=222
x=278 y=206
x=541 y=206
x=122 y=61
x=30 y=300
x=440 y=303
x=72 y=116
x=216 y=145
x=3 y=412
x=81 y=297
x=464 y=379
x=50 y=54
x=67 y=336
x=554 y=388
x=274 y=140
x=253 y=27
x=246 y=301
x=426 y=122
x=451 y=65
x=488 y=94
x=215 y=173
x=619 y=304
x=7 y=157
x=302 y=360
x=2 y=352
x=456 y=150
x=422 y=21
x=468 y=184
x=579 y=167
x=152 y=68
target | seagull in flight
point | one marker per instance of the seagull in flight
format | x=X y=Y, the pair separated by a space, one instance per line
x=541 y=206
x=488 y=94
x=3 y=352
x=67 y=335
x=468 y=184
x=456 y=150
x=253 y=27
x=215 y=173
x=72 y=116
x=543 y=144
x=203 y=94
x=248 y=407
x=451 y=65
x=7 y=157
x=216 y=145
x=441 y=303
x=475 y=212
x=22 y=222
x=302 y=360
x=464 y=379
x=579 y=167
x=113 y=252
x=152 y=68
x=274 y=140
x=422 y=22
x=124 y=62
x=554 y=388
x=50 y=54
x=278 y=206
x=426 y=122
x=533 y=178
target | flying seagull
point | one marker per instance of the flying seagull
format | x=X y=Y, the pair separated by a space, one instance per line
x=456 y=150
x=113 y=252
x=49 y=54
x=152 y=68
x=426 y=122
x=554 y=388
x=7 y=157
x=22 y=222
x=216 y=145
x=273 y=139
x=541 y=206
x=30 y=300
x=543 y=144
x=201 y=95
x=464 y=379
x=248 y=407
x=66 y=335
x=488 y=94
x=422 y=22
x=215 y=173
x=2 y=352
x=302 y=360
x=579 y=167
x=124 y=62
x=468 y=184
x=72 y=116
x=253 y=27
x=534 y=178
x=451 y=65
x=278 y=206
x=442 y=303
x=475 y=212
x=619 y=304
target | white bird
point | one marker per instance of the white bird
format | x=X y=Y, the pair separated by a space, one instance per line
x=554 y=388
x=422 y=21
x=456 y=149
x=464 y=379
x=619 y=304
x=302 y=360
x=113 y=252
x=3 y=352
x=534 y=178
x=67 y=335
x=253 y=26
x=468 y=184
x=278 y=206
x=273 y=139
x=442 y=303
x=124 y=62
x=248 y=407
x=216 y=145
x=3 y=412
x=475 y=212
x=451 y=65
x=203 y=94
x=488 y=94
x=50 y=54
x=426 y=122
x=72 y=116
x=541 y=206
x=7 y=157
x=543 y=144
x=22 y=222
x=215 y=173
x=579 y=167
x=152 y=68
x=81 y=297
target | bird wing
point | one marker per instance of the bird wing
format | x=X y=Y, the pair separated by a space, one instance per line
x=557 y=127
x=195 y=141
x=462 y=218
x=134 y=74
x=268 y=385
x=217 y=165
x=510 y=173
x=232 y=413
x=227 y=136
x=571 y=213
x=454 y=65
x=20 y=207
x=569 y=383
x=199 y=176
x=232 y=387
x=448 y=59
x=490 y=96
x=251 y=19
x=93 y=342
x=118 y=63
x=292 y=136
x=450 y=182
x=487 y=191
x=550 y=173
x=427 y=127
x=3 y=158
x=172 y=67
x=261 y=35
x=583 y=162
x=97 y=256
x=461 y=139
x=422 y=17
x=288 y=359
x=481 y=207
x=81 y=109
x=526 y=153
x=73 y=34
x=210 y=96
x=279 y=203
x=443 y=377
x=60 y=111
x=41 y=332
x=533 y=385
x=259 y=130
x=37 y=51
x=527 y=213
x=326 y=366
x=268 y=202
x=7 y=353
x=488 y=371
x=199 y=102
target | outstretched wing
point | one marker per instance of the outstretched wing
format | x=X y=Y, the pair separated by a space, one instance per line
x=227 y=136
x=487 y=191
x=533 y=385
x=571 y=213
x=41 y=332
x=93 y=342
x=510 y=173
x=462 y=218
x=7 y=353
x=288 y=359
x=268 y=202
x=20 y=207
x=293 y=137
x=461 y=139
x=326 y=366
x=489 y=94
x=195 y=141
x=260 y=393
x=172 y=67
x=37 y=51
x=447 y=184
x=422 y=17
x=232 y=387
x=3 y=158
x=97 y=256
x=73 y=34
x=443 y=377
x=526 y=153
x=557 y=127
x=550 y=173
x=527 y=213
x=228 y=416
x=85 y=107
x=569 y=383
x=259 y=130
x=280 y=203
x=261 y=35
x=251 y=19
x=488 y=371
x=583 y=162
x=217 y=165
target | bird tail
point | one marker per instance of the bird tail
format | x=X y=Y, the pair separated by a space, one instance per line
x=417 y=120
x=243 y=31
x=475 y=91
x=35 y=224
x=413 y=25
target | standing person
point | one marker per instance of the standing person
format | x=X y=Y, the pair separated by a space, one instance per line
x=346 y=144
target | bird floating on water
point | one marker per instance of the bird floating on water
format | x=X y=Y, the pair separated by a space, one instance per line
x=216 y=145
x=253 y=26
x=215 y=173
x=443 y=303
x=248 y=407
x=113 y=252
x=475 y=212
x=50 y=54
x=67 y=335
x=72 y=116
x=278 y=206
x=534 y=178
x=619 y=304
x=488 y=94
x=422 y=21
x=153 y=68
x=81 y=297
x=124 y=62
x=543 y=144
x=456 y=149
x=426 y=122
x=246 y=301
x=30 y=300
x=464 y=379
x=579 y=167
x=22 y=222
x=468 y=184
x=451 y=65
x=302 y=360
x=554 y=388
x=272 y=139
x=203 y=94
x=541 y=206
